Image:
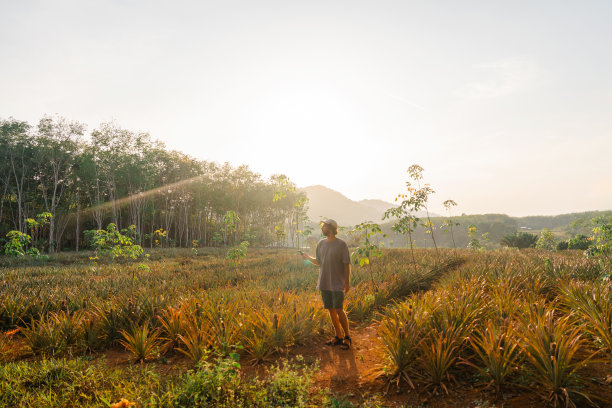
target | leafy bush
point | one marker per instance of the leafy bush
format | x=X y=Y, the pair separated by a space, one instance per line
x=214 y=383
x=114 y=244
x=16 y=243
x=579 y=242
x=236 y=253
x=602 y=238
x=546 y=240
x=562 y=245
x=218 y=383
x=288 y=384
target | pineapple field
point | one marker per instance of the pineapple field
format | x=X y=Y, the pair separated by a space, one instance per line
x=190 y=328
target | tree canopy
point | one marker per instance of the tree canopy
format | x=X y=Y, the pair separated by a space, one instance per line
x=114 y=175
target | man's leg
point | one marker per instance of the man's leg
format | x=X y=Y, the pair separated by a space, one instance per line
x=343 y=320
x=333 y=315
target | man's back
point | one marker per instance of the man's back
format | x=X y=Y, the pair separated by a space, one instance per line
x=332 y=255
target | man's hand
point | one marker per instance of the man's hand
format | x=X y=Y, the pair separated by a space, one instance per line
x=347 y=277
x=307 y=257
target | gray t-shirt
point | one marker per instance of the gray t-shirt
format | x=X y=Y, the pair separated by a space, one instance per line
x=332 y=255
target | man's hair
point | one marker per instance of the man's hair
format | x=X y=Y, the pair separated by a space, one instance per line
x=334 y=230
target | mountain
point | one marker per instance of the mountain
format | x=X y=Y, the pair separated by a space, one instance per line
x=378 y=205
x=490 y=228
x=327 y=203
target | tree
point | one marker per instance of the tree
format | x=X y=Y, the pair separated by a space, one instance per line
x=300 y=218
x=18 y=162
x=125 y=178
x=546 y=240
x=406 y=221
x=237 y=252
x=601 y=240
x=114 y=243
x=448 y=204
x=474 y=242
x=230 y=223
x=421 y=195
x=57 y=145
x=519 y=240
x=365 y=253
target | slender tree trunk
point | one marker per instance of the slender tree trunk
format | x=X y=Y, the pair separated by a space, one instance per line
x=61 y=225
x=97 y=205
x=412 y=251
x=431 y=230
x=205 y=227
x=2 y=201
x=78 y=219
x=19 y=191
x=453 y=237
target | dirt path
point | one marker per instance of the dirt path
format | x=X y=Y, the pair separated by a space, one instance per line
x=357 y=375
x=354 y=374
x=353 y=370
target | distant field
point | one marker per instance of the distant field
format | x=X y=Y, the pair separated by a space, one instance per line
x=516 y=320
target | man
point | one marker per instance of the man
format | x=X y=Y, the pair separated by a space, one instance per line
x=332 y=255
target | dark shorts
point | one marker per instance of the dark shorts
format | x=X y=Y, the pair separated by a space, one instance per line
x=332 y=299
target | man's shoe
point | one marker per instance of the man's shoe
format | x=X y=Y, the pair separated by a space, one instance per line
x=336 y=341
x=346 y=343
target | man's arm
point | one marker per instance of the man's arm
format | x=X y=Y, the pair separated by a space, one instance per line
x=347 y=277
x=312 y=259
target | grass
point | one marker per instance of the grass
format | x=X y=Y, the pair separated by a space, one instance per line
x=506 y=315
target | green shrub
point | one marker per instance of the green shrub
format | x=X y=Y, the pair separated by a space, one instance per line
x=15 y=243
x=113 y=243
x=602 y=238
x=332 y=401
x=215 y=383
x=546 y=240
x=519 y=240
x=238 y=252
x=288 y=384
x=80 y=383
x=579 y=242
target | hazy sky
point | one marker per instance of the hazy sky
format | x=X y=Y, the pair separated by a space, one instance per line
x=506 y=104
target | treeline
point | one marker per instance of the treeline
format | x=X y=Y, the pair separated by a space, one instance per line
x=112 y=175
x=565 y=225
x=492 y=226
x=490 y=229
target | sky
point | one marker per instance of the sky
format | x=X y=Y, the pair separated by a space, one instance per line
x=507 y=105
